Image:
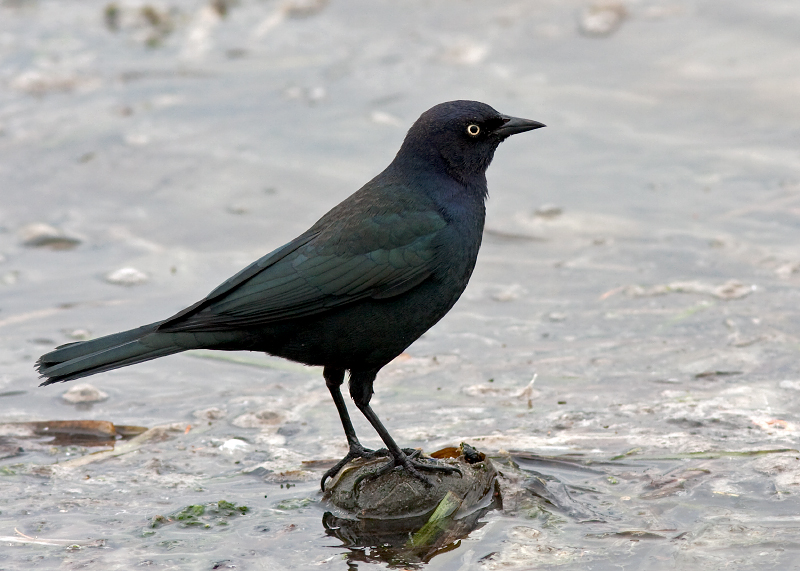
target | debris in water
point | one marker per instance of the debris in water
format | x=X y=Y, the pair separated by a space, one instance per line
x=602 y=19
x=68 y=543
x=438 y=523
x=792 y=385
x=111 y=15
x=78 y=334
x=635 y=534
x=548 y=211
x=222 y=7
x=84 y=393
x=39 y=235
x=509 y=293
x=258 y=419
x=785 y=270
x=712 y=374
x=732 y=289
x=70 y=432
x=201 y=515
x=212 y=413
x=303 y=8
x=126 y=277
x=234 y=445
x=141 y=436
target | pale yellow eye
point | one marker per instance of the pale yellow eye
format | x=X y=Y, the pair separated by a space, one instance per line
x=473 y=130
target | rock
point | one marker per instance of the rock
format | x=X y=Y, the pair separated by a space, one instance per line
x=84 y=393
x=398 y=494
x=403 y=514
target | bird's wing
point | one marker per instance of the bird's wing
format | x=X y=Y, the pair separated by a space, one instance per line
x=336 y=262
x=238 y=279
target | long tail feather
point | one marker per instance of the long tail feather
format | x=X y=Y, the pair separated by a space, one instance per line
x=84 y=358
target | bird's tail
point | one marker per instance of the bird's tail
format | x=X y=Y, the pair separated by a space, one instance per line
x=75 y=360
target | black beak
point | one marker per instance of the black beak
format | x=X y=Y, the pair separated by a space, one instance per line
x=514 y=125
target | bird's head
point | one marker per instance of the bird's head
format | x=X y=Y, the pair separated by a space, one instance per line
x=461 y=137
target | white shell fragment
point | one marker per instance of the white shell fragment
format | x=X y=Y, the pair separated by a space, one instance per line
x=78 y=334
x=234 y=445
x=602 y=19
x=84 y=393
x=126 y=277
x=39 y=235
x=509 y=293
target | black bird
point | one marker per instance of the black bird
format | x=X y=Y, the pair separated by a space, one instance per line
x=354 y=290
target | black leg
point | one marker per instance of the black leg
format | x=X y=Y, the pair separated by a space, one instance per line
x=334 y=379
x=361 y=391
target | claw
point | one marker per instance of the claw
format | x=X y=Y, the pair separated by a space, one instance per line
x=411 y=465
x=412 y=452
x=355 y=452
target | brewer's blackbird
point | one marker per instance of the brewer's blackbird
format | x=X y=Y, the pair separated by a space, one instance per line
x=354 y=290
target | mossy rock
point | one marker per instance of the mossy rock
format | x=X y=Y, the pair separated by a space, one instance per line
x=398 y=501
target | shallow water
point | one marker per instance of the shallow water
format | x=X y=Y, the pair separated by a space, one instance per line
x=654 y=294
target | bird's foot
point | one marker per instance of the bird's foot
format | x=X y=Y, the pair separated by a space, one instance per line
x=355 y=452
x=411 y=453
x=408 y=462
